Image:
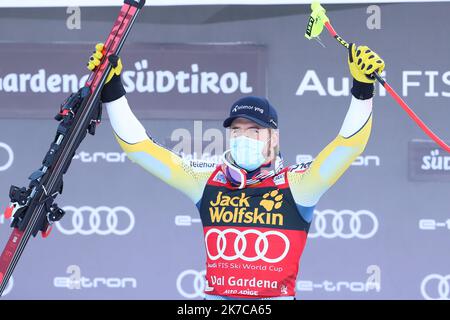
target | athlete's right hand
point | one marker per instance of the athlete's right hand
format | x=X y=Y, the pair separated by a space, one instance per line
x=113 y=88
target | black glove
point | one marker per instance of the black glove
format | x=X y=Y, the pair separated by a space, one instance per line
x=113 y=88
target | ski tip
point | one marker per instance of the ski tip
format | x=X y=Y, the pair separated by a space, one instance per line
x=9 y=211
x=47 y=232
x=136 y=3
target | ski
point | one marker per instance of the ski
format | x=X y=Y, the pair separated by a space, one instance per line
x=33 y=208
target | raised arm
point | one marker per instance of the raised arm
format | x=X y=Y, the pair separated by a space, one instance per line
x=309 y=183
x=154 y=158
x=184 y=175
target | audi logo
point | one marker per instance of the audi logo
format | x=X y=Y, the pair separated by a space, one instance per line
x=198 y=281
x=240 y=245
x=10 y=160
x=101 y=221
x=436 y=287
x=341 y=227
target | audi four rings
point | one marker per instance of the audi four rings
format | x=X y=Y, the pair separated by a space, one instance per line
x=438 y=284
x=334 y=226
x=241 y=240
x=88 y=220
x=198 y=280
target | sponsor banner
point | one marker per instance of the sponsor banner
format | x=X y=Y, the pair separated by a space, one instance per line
x=344 y=224
x=428 y=162
x=160 y=79
x=370 y=285
x=123 y=225
x=428 y=83
x=100 y=221
x=192 y=284
x=78 y=280
x=94 y=3
x=434 y=224
x=253 y=262
x=360 y=161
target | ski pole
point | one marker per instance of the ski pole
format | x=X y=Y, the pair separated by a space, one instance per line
x=318 y=20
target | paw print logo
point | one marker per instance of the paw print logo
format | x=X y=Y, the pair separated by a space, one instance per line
x=272 y=200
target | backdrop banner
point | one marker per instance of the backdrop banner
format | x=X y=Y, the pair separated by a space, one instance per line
x=381 y=232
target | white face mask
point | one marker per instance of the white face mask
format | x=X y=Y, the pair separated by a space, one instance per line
x=247 y=152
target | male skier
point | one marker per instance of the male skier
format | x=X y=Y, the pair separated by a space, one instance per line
x=255 y=213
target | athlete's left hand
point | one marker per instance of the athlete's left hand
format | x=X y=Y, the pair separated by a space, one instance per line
x=363 y=62
x=113 y=88
x=94 y=62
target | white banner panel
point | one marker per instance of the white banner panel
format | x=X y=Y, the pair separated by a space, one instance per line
x=98 y=3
